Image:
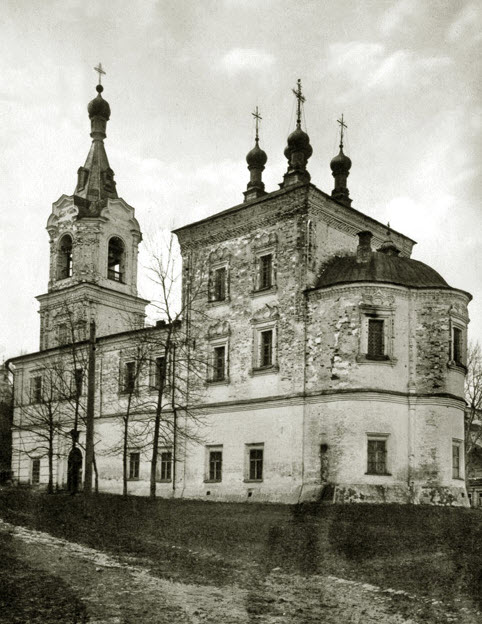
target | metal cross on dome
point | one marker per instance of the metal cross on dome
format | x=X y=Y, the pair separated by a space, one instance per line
x=99 y=69
x=301 y=100
x=258 y=118
x=342 y=126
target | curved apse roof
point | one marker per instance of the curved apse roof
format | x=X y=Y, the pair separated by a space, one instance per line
x=380 y=267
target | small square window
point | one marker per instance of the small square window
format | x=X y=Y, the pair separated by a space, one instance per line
x=165 y=468
x=255 y=462
x=377 y=456
x=35 y=471
x=134 y=464
x=265 y=272
x=215 y=465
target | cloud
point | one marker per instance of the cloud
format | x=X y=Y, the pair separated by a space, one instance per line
x=246 y=59
x=466 y=26
x=396 y=16
x=367 y=66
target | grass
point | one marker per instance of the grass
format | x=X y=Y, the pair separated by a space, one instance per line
x=425 y=550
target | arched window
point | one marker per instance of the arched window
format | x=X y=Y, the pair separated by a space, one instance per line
x=116 y=260
x=64 y=258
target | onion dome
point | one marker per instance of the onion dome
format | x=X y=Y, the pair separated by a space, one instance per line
x=256 y=157
x=298 y=141
x=340 y=163
x=99 y=107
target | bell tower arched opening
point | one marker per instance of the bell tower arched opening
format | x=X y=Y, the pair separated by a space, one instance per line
x=116 y=260
x=64 y=257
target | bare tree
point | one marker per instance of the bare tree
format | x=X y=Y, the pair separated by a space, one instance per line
x=473 y=397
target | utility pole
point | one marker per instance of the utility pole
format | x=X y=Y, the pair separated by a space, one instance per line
x=89 y=428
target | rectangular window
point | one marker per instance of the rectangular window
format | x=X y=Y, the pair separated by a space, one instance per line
x=266 y=348
x=376 y=342
x=166 y=465
x=35 y=471
x=134 y=463
x=377 y=457
x=215 y=465
x=265 y=271
x=129 y=377
x=159 y=372
x=78 y=381
x=63 y=334
x=456 y=460
x=457 y=345
x=219 y=284
x=219 y=363
x=36 y=389
x=256 y=464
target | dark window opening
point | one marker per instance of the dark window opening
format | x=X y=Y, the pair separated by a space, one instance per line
x=160 y=372
x=219 y=363
x=266 y=354
x=215 y=465
x=457 y=345
x=377 y=457
x=166 y=465
x=63 y=333
x=78 y=381
x=219 y=284
x=255 y=464
x=129 y=376
x=265 y=272
x=64 y=258
x=455 y=461
x=36 y=389
x=35 y=471
x=134 y=464
x=376 y=339
x=116 y=260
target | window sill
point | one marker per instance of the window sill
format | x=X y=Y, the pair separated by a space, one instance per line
x=218 y=302
x=252 y=480
x=458 y=479
x=457 y=366
x=264 y=291
x=384 y=360
x=133 y=479
x=378 y=474
x=212 y=480
x=163 y=480
x=265 y=370
x=218 y=382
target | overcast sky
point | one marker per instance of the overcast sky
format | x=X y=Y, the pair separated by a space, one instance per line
x=182 y=80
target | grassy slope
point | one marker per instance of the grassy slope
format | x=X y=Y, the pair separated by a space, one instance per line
x=424 y=550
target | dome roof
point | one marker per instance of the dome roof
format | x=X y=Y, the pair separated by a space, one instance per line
x=340 y=163
x=256 y=157
x=381 y=267
x=298 y=141
x=99 y=107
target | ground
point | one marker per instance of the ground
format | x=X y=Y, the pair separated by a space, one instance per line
x=201 y=563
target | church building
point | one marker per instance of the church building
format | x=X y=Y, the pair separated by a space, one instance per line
x=313 y=358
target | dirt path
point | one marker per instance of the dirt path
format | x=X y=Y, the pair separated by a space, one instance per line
x=116 y=590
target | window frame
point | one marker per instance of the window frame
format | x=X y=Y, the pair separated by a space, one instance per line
x=378 y=438
x=214 y=345
x=249 y=472
x=119 y=275
x=259 y=287
x=64 y=268
x=34 y=462
x=165 y=466
x=218 y=288
x=134 y=475
x=155 y=373
x=124 y=387
x=385 y=314
x=35 y=388
x=258 y=359
x=460 y=328
x=457 y=469
x=214 y=468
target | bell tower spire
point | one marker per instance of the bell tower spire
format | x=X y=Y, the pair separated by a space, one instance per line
x=95 y=180
x=298 y=150
x=340 y=170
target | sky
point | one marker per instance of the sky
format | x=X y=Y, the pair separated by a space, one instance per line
x=183 y=77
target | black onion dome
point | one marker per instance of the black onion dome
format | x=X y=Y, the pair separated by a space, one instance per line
x=382 y=267
x=256 y=157
x=340 y=163
x=99 y=107
x=299 y=141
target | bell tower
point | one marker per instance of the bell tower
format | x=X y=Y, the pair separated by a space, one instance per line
x=94 y=239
